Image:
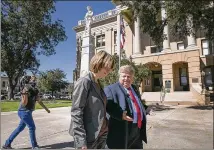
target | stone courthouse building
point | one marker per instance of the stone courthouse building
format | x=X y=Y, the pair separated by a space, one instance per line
x=179 y=65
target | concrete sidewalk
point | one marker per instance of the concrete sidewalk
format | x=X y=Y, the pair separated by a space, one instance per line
x=180 y=127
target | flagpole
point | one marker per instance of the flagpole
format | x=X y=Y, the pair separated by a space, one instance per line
x=118 y=36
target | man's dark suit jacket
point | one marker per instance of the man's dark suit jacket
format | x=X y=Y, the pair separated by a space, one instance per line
x=118 y=101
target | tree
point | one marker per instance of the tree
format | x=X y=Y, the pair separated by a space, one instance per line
x=52 y=80
x=178 y=15
x=27 y=31
x=70 y=88
x=141 y=72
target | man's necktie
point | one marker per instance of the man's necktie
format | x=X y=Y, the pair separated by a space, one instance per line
x=139 y=117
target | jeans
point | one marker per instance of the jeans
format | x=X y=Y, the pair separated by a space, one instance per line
x=26 y=119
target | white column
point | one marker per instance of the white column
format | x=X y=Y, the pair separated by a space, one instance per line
x=87 y=53
x=118 y=33
x=166 y=44
x=190 y=39
x=137 y=39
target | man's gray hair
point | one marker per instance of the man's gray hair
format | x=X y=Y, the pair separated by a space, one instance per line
x=127 y=68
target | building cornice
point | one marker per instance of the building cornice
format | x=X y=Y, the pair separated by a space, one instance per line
x=95 y=24
x=99 y=29
x=98 y=18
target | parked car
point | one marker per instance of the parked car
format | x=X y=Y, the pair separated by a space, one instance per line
x=47 y=96
x=65 y=97
x=40 y=95
x=17 y=96
x=3 y=97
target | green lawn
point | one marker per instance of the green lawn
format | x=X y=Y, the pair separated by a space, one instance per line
x=7 y=106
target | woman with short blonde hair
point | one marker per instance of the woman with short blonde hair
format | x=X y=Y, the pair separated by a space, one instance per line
x=89 y=125
x=100 y=60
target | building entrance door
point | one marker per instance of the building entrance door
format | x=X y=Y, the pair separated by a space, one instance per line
x=157 y=80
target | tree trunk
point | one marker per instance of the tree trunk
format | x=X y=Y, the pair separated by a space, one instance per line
x=52 y=96
x=10 y=92
x=52 y=93
x=12 y=84
x=212 y=48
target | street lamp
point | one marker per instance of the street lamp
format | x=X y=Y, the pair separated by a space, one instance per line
x=203 y=83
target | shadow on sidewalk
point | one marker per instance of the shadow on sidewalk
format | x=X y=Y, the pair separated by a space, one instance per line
x=158 y=107
x=67 y=145
x=201 y=107
x=59 y=145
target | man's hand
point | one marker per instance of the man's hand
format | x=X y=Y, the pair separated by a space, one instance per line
x=125 y=117
x=148 y=110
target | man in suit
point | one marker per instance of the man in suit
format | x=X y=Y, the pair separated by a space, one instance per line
x=127 y=113
x=89 y=125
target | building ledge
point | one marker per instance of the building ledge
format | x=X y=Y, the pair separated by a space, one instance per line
x=162 y=53
x=205 y=56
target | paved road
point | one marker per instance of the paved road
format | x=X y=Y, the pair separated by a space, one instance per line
x=171 y=127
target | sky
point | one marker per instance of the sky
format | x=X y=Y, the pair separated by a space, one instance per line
x=70 y=12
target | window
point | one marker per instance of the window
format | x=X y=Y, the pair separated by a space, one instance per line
x=157 y=82
x=147 y=82
x=208 y=76
x=156 y=49
x=115 y=37
x=3 y=84
x=183 y=76
x=153 y=49
x=100 y=40
x=180 y=46
x=206 y=47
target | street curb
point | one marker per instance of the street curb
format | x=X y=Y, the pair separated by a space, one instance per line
x=13 y=112
x=174 y=103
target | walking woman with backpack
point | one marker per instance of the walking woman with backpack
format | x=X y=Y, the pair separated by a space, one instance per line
x=29 y=96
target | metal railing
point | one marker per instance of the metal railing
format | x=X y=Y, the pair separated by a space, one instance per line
x=163 y=94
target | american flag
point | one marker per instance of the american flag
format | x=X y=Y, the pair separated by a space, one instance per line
x=122 y=33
